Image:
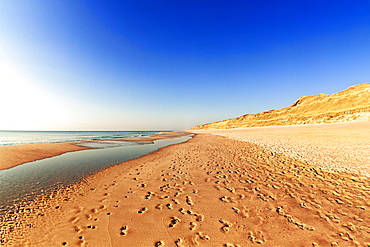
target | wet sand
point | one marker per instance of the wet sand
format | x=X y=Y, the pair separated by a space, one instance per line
x=209 y=191
x=162 y=135
x=11 y=156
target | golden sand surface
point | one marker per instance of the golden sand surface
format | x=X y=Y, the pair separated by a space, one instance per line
x=11 y=156
x=208 y=191
x=335 y=147
x=352 y=104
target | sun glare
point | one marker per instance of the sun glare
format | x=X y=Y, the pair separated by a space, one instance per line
x=24 y=106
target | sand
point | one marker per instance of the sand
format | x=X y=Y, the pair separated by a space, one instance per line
x=209 y=191
x=11 y=156
x=335 y=147
x=352 y=104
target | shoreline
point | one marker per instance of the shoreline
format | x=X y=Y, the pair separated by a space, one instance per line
x=14 y=155
x=208 y=191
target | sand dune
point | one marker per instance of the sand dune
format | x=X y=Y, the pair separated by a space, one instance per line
x=352 y=104
x=209 y=191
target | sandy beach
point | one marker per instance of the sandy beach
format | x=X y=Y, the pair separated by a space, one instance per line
x=335 y=147
x=209 y=191
x=184 y=123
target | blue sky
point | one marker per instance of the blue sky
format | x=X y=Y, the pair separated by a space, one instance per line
x=157 y=65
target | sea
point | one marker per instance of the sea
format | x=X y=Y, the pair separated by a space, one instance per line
x=32 y=137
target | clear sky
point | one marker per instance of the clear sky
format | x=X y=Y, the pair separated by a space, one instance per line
x=167 y=65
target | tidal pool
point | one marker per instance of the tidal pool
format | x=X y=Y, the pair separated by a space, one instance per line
x=25 y=182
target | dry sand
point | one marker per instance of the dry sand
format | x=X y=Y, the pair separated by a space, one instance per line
x=335 y=147
x=209 y=191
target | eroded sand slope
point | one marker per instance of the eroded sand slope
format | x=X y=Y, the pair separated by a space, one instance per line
x=352 y=104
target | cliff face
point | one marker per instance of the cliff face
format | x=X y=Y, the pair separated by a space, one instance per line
x=352 y=104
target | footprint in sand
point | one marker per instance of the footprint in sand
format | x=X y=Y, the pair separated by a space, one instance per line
x=175 y=201
x=349 y=226
x=81 y=242
x=203 y=236
x=78 y=229
x=262 y=197
x=193 y=225
x=226 y=225
x=199 y=217
x=231 y=245
x=242 y=212
x=177 y=194
x=142 y=210
x=228 y=199
x=174 y=221
x=346 y=236
x=237 y=210
x=357 y=218
x=149 y=195
x=231 y=189
x=123 y=230
x=189 y=201
x=159 y=243
x=178 y=242
x=189 y=212
x=290 y=219
x=256 y=237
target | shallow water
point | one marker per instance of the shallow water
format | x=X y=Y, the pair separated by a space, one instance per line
x=25 y=182
x=32 y=137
